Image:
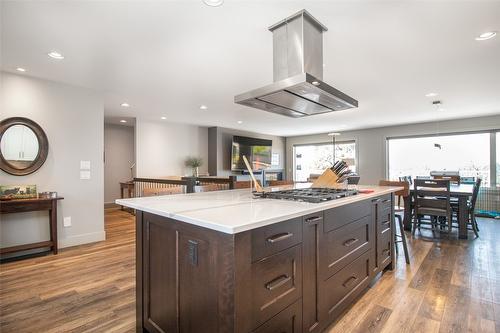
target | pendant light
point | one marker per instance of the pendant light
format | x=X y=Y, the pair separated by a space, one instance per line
x=333 y=135
x=439 y=107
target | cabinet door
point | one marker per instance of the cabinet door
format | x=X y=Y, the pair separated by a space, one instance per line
x=179 y=278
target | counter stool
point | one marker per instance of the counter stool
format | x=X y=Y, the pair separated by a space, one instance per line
x=404 y=193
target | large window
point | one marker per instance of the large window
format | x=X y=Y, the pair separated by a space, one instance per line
x=467 y=153
x=498 y=158
x=314 y=159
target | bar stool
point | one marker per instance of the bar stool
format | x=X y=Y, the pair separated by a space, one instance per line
x=404 y=193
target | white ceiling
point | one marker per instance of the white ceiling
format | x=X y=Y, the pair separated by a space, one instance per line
x=166 y=58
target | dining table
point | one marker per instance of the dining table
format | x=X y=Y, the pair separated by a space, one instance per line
x=460 y=191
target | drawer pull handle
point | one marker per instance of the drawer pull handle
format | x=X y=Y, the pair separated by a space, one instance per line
x=351 y=241
x=313 y=219
x=278 y=282
x=386 y=200
x=386 y=222
x=279 y=237
x=350 y=281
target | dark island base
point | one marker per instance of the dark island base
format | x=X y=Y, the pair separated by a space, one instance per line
x=294 y=276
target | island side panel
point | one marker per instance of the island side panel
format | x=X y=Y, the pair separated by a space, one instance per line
x=138 y=272
x=187 y=278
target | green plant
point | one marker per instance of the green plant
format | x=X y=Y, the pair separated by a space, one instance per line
x=193 y=162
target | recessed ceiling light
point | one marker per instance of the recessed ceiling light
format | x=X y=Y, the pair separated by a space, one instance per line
x=123 y=121
x=240 y=122
x=315 y=83
x=213 y=3
x=486 y=35
x=56 y=55
x=125 y=105
x=333 y=134
x=163 y=118
x=20 y=69
x=203 y=107
x=431 y=94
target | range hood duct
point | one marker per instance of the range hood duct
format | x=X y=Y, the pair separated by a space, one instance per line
x=298 y=89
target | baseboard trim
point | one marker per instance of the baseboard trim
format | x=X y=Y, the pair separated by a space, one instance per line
x=82 y=239
x=110 y=205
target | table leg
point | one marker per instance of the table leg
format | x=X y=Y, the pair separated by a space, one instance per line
x=53 y=226
x=407 y=213
x=462 y=217
x=121 y=195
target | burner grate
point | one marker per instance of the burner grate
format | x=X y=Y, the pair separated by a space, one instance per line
x=314 y=195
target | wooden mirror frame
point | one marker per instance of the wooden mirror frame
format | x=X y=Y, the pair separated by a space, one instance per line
x=43 y=146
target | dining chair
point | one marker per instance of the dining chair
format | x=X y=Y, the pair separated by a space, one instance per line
x=404 y=193
x=280 y=182
x=404 y=179
x=471 y=208
x=431 y=197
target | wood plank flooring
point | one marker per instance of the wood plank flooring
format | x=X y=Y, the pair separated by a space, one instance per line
x=450 y=286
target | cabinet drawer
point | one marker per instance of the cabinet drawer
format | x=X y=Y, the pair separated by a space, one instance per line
x=384 y=218
x=385 y=201
x=342 y=288
x=384 y=248
x=287 y=321
x=345 y=244
x=276 y=237
x=340 y=216
x=276 y=283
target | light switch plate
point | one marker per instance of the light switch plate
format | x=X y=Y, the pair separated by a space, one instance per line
x=84 y=174
x=67 y=221
x=84 y=165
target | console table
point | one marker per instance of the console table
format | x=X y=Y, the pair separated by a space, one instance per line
x=30 y=205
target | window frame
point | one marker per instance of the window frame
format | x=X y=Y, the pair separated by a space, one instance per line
x=493 y=157
x=324 y=143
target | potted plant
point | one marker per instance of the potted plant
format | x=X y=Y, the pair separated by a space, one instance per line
x=194 y=163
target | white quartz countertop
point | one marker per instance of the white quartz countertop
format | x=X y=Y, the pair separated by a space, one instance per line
x=234 y=211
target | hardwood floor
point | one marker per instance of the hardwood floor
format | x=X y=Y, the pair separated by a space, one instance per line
x=450 y=286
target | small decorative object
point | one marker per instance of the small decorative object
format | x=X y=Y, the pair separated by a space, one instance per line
x=8 y=192
x=194 y=163
x=47 y=195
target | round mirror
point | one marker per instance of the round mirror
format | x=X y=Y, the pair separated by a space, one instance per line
x=23 y=146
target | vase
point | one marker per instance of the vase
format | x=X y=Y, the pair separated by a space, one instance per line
x=195 y=172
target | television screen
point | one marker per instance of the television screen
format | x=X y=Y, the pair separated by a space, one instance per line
x=257 y=151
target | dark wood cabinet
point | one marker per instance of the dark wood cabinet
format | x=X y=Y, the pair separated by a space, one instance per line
x=293 y=276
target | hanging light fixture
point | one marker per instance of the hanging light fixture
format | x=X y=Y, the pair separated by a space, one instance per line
x=333 y=135
x=439 y=107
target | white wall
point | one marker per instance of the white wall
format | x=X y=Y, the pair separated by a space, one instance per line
x=119 y=156
x=162 y=147
x=371 y=143
x=73 y=120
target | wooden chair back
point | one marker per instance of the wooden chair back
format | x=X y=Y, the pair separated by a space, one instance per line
x=475 y=193
x=452 y=179
x=280 y=182
x=406 y=179
x=405 y=192
x=152 y=191
x=239 y=184
x=208 y=188
x=432 y=197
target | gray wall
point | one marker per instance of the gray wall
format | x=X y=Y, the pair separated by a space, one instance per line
x=73 y=120
x=119 y=156
x=371 y=143
x=162 y=147
x=224 y=143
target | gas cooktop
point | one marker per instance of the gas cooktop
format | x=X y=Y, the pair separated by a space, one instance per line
x=314 y=195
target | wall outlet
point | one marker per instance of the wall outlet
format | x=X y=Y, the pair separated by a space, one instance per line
x=84 y=174
x=67 y=221
x=84 y=165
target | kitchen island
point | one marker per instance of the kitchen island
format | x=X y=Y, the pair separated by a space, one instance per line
x=227 y=262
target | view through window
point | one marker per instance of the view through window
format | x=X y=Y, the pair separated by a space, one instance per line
x=314 y=159
x=498 y=158
x=468 y=154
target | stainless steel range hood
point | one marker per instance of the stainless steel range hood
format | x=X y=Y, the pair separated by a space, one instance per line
x=298 y=89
